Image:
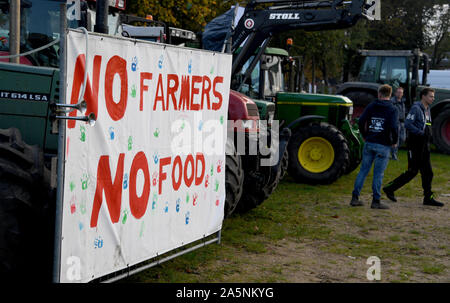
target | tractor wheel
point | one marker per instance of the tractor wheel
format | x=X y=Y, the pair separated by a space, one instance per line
x=318 y=154
x=441 y=131
x=255 y=194
x=234 y=179
x=360 y=100
x=26 y=232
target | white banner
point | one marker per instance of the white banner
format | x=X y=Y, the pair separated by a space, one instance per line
x=149 y=176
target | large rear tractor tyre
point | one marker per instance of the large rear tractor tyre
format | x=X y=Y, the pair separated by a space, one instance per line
x=318 y=154
x=234 y=179
x=26 y=233
x=441 y=131
x=360 y=100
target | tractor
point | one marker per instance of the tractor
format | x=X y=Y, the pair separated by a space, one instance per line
x=400 y=68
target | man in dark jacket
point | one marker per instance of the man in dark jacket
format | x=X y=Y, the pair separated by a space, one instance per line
x=379 y=127
x=399 y=102
x=418 y=127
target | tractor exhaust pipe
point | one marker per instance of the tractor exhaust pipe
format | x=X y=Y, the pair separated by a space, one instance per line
x=101 y=17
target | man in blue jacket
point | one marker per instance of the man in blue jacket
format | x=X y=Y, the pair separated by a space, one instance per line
x=418 y=127
x=379 y=126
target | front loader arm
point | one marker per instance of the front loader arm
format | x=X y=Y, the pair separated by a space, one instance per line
x=259 y=24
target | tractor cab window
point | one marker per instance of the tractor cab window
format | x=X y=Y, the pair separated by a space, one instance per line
x=368 y=70
x=273 y=75
x=393 y=70
x=251 y=87
x=39 y=25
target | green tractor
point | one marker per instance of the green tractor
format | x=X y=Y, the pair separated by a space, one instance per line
x=324 y=145
x=400 y=68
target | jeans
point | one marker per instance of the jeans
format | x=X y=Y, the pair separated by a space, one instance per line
x=377 y=154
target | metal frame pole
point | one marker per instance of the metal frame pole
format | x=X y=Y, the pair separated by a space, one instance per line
x=61 y=148
x=14 y=30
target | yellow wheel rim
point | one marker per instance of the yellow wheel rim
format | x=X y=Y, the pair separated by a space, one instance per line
x=316 y=154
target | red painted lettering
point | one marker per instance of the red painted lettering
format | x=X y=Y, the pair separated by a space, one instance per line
x=177 y=163
x=216 y=106
x=116 y=65
x=159 y=94
x=172 y=89
x=205 y=91
x=113 y=191
x=188 y=180
x=184 y=102
x=144 y=76
x=201 y=157
x=162 y=175
x=91 y=91
x=138 y=205
x=195 y=91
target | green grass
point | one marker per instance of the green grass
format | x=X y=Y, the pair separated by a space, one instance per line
x=320 y=216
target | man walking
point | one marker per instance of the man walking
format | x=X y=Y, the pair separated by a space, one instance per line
x=418 y=127
x=399 y=102
x=379 y=127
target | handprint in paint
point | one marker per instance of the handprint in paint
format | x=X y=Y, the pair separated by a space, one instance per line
x=133 y=91
x=206 y=181
x=82 y=133
x=219 y=166
x=166 y=208
x=194 y=199
x=130 y=142
x=125 y=181
x=154 y=200
x=177 y=206
x=156 y=133
x=111 y=133
x=156 y=157
x=161 y=61
x=85 y=181
x=217 y=186
x=134 y=63
x=98 y=242
x=124 y=216
x=155 y=178
x=188 y=214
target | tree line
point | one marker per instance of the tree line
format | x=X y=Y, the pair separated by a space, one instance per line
x=330 y=55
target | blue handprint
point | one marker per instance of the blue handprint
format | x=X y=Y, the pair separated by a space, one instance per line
x=160 y=61
x=156 y=158
x=134 y=64
x=187 y=218
x=155 y=199
x=178 y=205
x=190 y=66
x=125 y=181
x=166 y=209
x=111 y=133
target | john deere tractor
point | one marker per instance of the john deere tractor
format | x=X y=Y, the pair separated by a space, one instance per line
x=400 y=68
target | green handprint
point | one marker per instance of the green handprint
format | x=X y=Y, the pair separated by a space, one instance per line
x=133 y=91
x=83 y=133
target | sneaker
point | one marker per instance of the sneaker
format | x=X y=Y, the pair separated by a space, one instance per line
x=376 y=204
x=390 y=194
x=355 y=201
x=431 y=202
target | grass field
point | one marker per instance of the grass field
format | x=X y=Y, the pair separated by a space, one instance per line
x=306 y=233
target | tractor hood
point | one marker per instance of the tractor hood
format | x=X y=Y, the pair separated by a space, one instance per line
x=312 y=99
